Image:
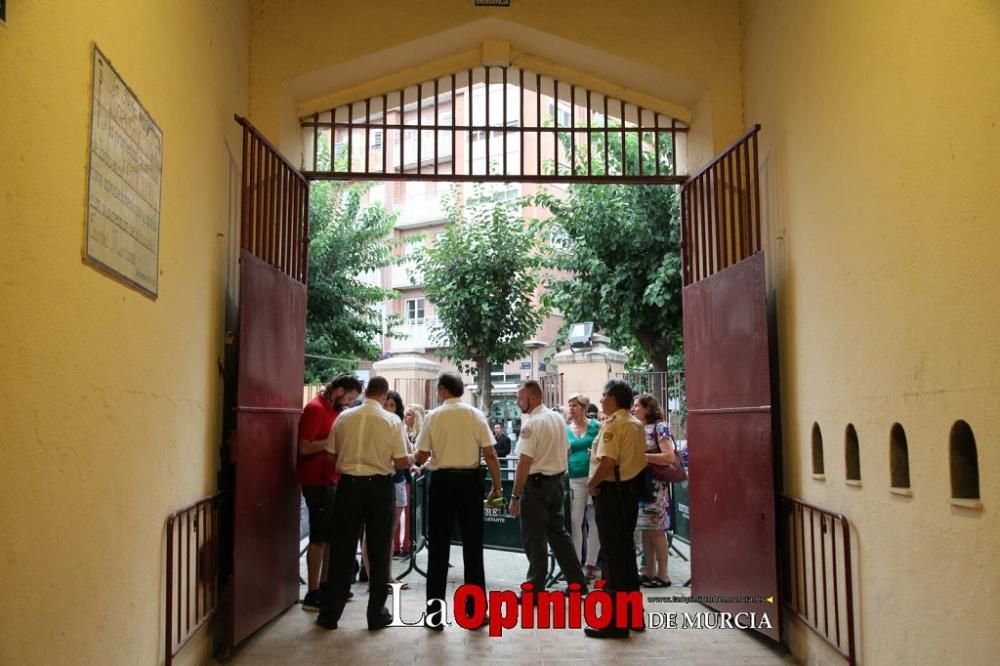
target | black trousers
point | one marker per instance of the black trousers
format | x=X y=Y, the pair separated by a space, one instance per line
x=543 y=524
x=362 y=502
x=616 y=509
x=455 y=494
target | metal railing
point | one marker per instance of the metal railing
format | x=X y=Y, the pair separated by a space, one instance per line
x=720 y=211
x=668 y=389
x=818 y=578
x=192 y=598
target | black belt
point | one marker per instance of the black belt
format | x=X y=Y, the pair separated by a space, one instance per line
x=457 y=470
x=539 y=477
x=365 y=477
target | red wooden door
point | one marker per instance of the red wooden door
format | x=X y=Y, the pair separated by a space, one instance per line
x=270 y=359
x=731 y=492
x=269 y=400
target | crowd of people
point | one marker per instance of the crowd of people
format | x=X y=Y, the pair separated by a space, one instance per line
x=356 y=464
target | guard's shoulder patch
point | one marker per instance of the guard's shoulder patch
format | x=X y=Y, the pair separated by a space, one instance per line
x=609 y=435
x=526 y=431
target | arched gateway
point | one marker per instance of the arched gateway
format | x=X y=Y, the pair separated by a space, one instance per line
x=502 y=123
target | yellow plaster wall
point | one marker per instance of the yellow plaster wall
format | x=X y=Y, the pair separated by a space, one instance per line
x=110 y=402
x=881 y=157
x=682 y=52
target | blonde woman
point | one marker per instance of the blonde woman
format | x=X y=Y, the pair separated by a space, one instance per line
x=581 y=432
x=413 y=420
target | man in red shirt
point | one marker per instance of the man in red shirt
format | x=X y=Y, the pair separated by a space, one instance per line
x=318 y=477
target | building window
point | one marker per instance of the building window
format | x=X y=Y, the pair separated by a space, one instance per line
x=817 y=450
x=899 y=458
x=415 y=311
x=964 y=462
x=852 y=453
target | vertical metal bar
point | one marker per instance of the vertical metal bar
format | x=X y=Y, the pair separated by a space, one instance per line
x=826 y=601
x=741 y=199
x=836 y=590
x=804 y=590
x=504 y=116
x=289 y=232
x=756 y=197
x=262 y=243
x=468 y=123
x=385 y=133
x=641 y=136
x=257 y=195
x=572 y=129
x=656 y=141
x=437 y=122
x=402 y=131
x=245 y=187
x=849 y=594
x=168 y=633
x=350 y=138
x=454 y=122
x=488 y=77
x=684 y=236
x=621 y=103
x=607 y=154
x=368 y=133
x=720 y=245
x=555 y=123
x=732 y=255
x=521 y=115
x=673 y=147
x=590 y=137
x=273 y=210
x=706 y=224
x=812 y=557
x=304 y=226
x=197 y=563
x=187 y=578
x=538 y=122
x=420 y=125
x=316 y=141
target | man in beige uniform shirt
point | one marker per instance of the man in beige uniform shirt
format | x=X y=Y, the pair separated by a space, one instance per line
x=367 y=444
x=455 y=437
x=539 y=495
x=618 y=456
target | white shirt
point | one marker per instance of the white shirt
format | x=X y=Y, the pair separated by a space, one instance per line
x=543 y=437
x=366 y=438
x=455 y=435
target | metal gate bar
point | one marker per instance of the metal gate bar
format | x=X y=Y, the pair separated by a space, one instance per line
x=189 y=607
x=275 y=206
x=720 y=211
x=412 y=115
x=829 y=588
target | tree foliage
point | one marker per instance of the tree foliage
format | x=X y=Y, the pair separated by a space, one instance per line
x=347 y=242
x=481 y=275
x=620 y=245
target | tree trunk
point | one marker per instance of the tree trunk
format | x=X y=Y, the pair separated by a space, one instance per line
x=485 y=381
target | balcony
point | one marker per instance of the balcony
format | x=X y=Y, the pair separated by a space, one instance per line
x=415 y=335
x=420 y=209
x=406 y=275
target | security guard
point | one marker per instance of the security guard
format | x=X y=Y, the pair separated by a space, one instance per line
x=618 y=456
x=539 y=496
x=455 y=437
x=366 y=443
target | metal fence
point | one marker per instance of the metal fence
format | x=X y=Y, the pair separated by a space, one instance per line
x=817 y=572
x=668 y=389
x=192 y=571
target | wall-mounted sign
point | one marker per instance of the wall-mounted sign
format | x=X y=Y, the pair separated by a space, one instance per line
x=526 y=365
x=541 y=367
x=123 y=193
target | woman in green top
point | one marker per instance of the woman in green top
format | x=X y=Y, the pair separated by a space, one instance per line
x=582 y=432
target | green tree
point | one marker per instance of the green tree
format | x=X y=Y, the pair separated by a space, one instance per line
x=620 y=245
x=347 y=240
x=481 y=275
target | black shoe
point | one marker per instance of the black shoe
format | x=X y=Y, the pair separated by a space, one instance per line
x=381 y=621
x=326 y=622
x=610 y=632
x=363 y=575
x=312 y=601
x=350 y=595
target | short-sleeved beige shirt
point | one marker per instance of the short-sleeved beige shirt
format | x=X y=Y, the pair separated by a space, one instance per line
x=366 y=438
x=623 y=439
x=455 y=435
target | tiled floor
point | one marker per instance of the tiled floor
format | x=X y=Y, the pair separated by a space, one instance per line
x=293 y=638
